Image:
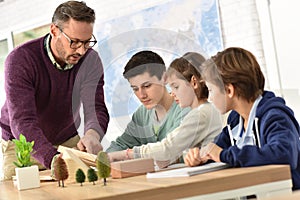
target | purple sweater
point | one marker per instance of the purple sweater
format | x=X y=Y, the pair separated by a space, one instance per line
x=43 y=102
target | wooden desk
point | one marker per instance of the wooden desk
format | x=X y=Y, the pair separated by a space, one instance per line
x=229 y=182
x=293 y=196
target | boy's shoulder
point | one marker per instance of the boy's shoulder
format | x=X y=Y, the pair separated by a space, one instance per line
x=142 y=114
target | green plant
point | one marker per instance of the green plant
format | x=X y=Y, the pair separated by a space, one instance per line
x=23 y=150
x=92 y=175
x=103 y=166
x=80 y=176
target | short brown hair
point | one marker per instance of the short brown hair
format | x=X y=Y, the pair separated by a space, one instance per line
x=145 y=61
x=238 y=67
x=187 y=66
x=76 y=10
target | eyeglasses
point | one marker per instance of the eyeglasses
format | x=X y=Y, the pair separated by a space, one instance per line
x=75 y=44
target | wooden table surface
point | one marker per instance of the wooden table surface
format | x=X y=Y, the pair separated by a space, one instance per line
x=162 y=188
x=293 y=196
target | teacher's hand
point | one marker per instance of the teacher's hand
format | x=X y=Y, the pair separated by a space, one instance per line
x=90 y=142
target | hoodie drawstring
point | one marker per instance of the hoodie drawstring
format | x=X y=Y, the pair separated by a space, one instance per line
x=230 y=135
x=257 y=132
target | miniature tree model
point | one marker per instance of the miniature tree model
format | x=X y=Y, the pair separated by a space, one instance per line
x=60 y=170
x=23 y=151
x=103 y=166
x=92 y=175
x=80 y=177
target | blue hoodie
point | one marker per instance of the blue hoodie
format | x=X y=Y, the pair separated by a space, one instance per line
x=278 y=135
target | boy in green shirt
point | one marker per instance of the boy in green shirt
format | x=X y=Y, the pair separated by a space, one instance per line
x=159 y=114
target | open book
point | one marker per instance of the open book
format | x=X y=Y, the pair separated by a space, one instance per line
x=88 y=158
x=188 y=171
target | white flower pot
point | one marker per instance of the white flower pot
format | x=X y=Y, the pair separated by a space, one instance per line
x=27 y=177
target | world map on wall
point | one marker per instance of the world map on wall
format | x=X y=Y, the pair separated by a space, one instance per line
x=170 y=29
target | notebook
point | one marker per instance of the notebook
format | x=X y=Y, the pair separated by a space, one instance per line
x=188 y=171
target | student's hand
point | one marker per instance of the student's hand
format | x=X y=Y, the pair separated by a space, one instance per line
x=90 y=142
x=204 y=152
x=213 y=152
x=117 y=156
x=192 y=158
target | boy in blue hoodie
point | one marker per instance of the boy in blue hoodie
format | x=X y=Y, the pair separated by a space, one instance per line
x=261 y=129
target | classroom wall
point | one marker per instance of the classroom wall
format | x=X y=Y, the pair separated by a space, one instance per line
x=268 y=29
x=19 y=15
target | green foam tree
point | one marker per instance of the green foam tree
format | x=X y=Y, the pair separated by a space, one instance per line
x=80 y=176
x=92 y=175
x=103 y=166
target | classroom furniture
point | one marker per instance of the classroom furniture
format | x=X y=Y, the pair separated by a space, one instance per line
x=292 y=196
x=265 y=181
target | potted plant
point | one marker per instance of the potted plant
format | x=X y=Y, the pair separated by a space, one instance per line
x=27 y=175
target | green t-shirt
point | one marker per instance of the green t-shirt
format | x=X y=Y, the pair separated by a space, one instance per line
x=143 y=128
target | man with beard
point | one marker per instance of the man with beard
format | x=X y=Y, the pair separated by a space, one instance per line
x=46 y=81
